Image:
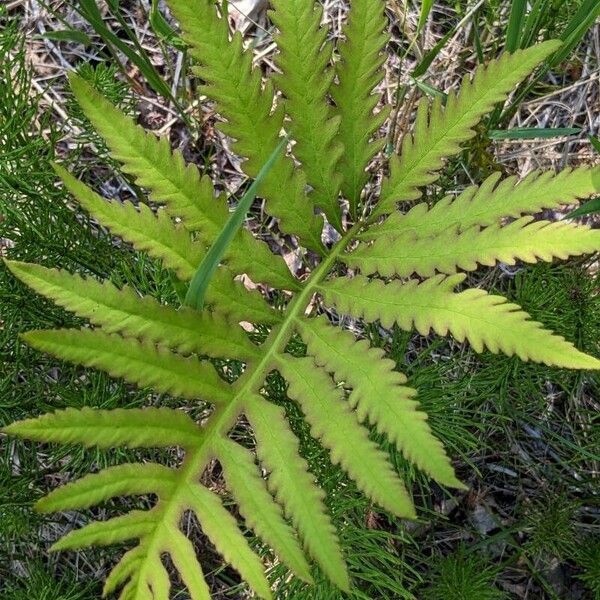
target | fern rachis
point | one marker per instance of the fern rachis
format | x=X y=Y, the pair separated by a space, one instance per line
x=173 y=350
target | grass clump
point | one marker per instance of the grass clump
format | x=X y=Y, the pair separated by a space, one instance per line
x=463 y=576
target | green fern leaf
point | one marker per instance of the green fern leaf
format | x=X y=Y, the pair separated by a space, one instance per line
x=150 y=580
x=305 y=80
x=123 y=570
x=482 y=319
x=257 y=507
x=378 y=394
x=294 y=487
x=521 y=240
x=133 y=427
x=179 y=187
x=440 y=134
x=236 y=88
x=493 y=201
x=222 y=530
x=123 y=311
x=183 y=555
x=106 y=533
x=336 y=426
x=359 y=73
x=136 y=362
x=122 y=480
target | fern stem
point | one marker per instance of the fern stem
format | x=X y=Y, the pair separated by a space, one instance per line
x=224 y=416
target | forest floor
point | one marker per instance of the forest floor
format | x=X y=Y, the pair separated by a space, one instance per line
x=525 y=438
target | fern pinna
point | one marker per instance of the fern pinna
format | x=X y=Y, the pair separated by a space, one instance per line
x=401 y=268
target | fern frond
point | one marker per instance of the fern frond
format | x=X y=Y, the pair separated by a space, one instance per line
x=257 y=507
x=448 y=251
x=237 y=90
x=136 y=362
x=131 y=526
x=122 y=480
x=179 y=186
x=378 y=394
x=123 y=311
x=438 y=135
x=484 y=320
x=128 y=427
x=334 y=423
x=293 y=485
x=221 y=528
x=303 y=59
x=493 y=201
x=343 y=386
x=358 y=74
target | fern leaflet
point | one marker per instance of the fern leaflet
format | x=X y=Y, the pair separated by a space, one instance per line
x=294 y=487
x=446 y=252
x=133 y=428
x=378 y=394
x=492 y=201
x=485 y=321
x=359 y=73
x=304 y=81
x=141 y=363
x=258 y=508
x=122 y=480
x=336 y=426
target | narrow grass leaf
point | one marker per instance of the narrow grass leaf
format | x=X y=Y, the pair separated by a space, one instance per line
x=516 y=23
x=426 y=6
x=208 y=266
x=90 y=11
x=589 y=208
x=532 y=133
x=162 y=28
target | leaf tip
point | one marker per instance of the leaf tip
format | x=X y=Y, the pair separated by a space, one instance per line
x=43 y=506
x=18 y=428
x=58 y=546
x=583 y=361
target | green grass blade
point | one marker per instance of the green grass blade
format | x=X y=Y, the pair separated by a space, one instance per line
x=591 y=207
x=532 y=133
x=89 y=11
x=516 y=23
x=432 y=54
x=68 y=35
x=426 y=6
x=595 y=142
x=208 y=266
x=587 y=13
x=431 y=90
x=162 y=29
x=581 y=22
x=572 y=35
